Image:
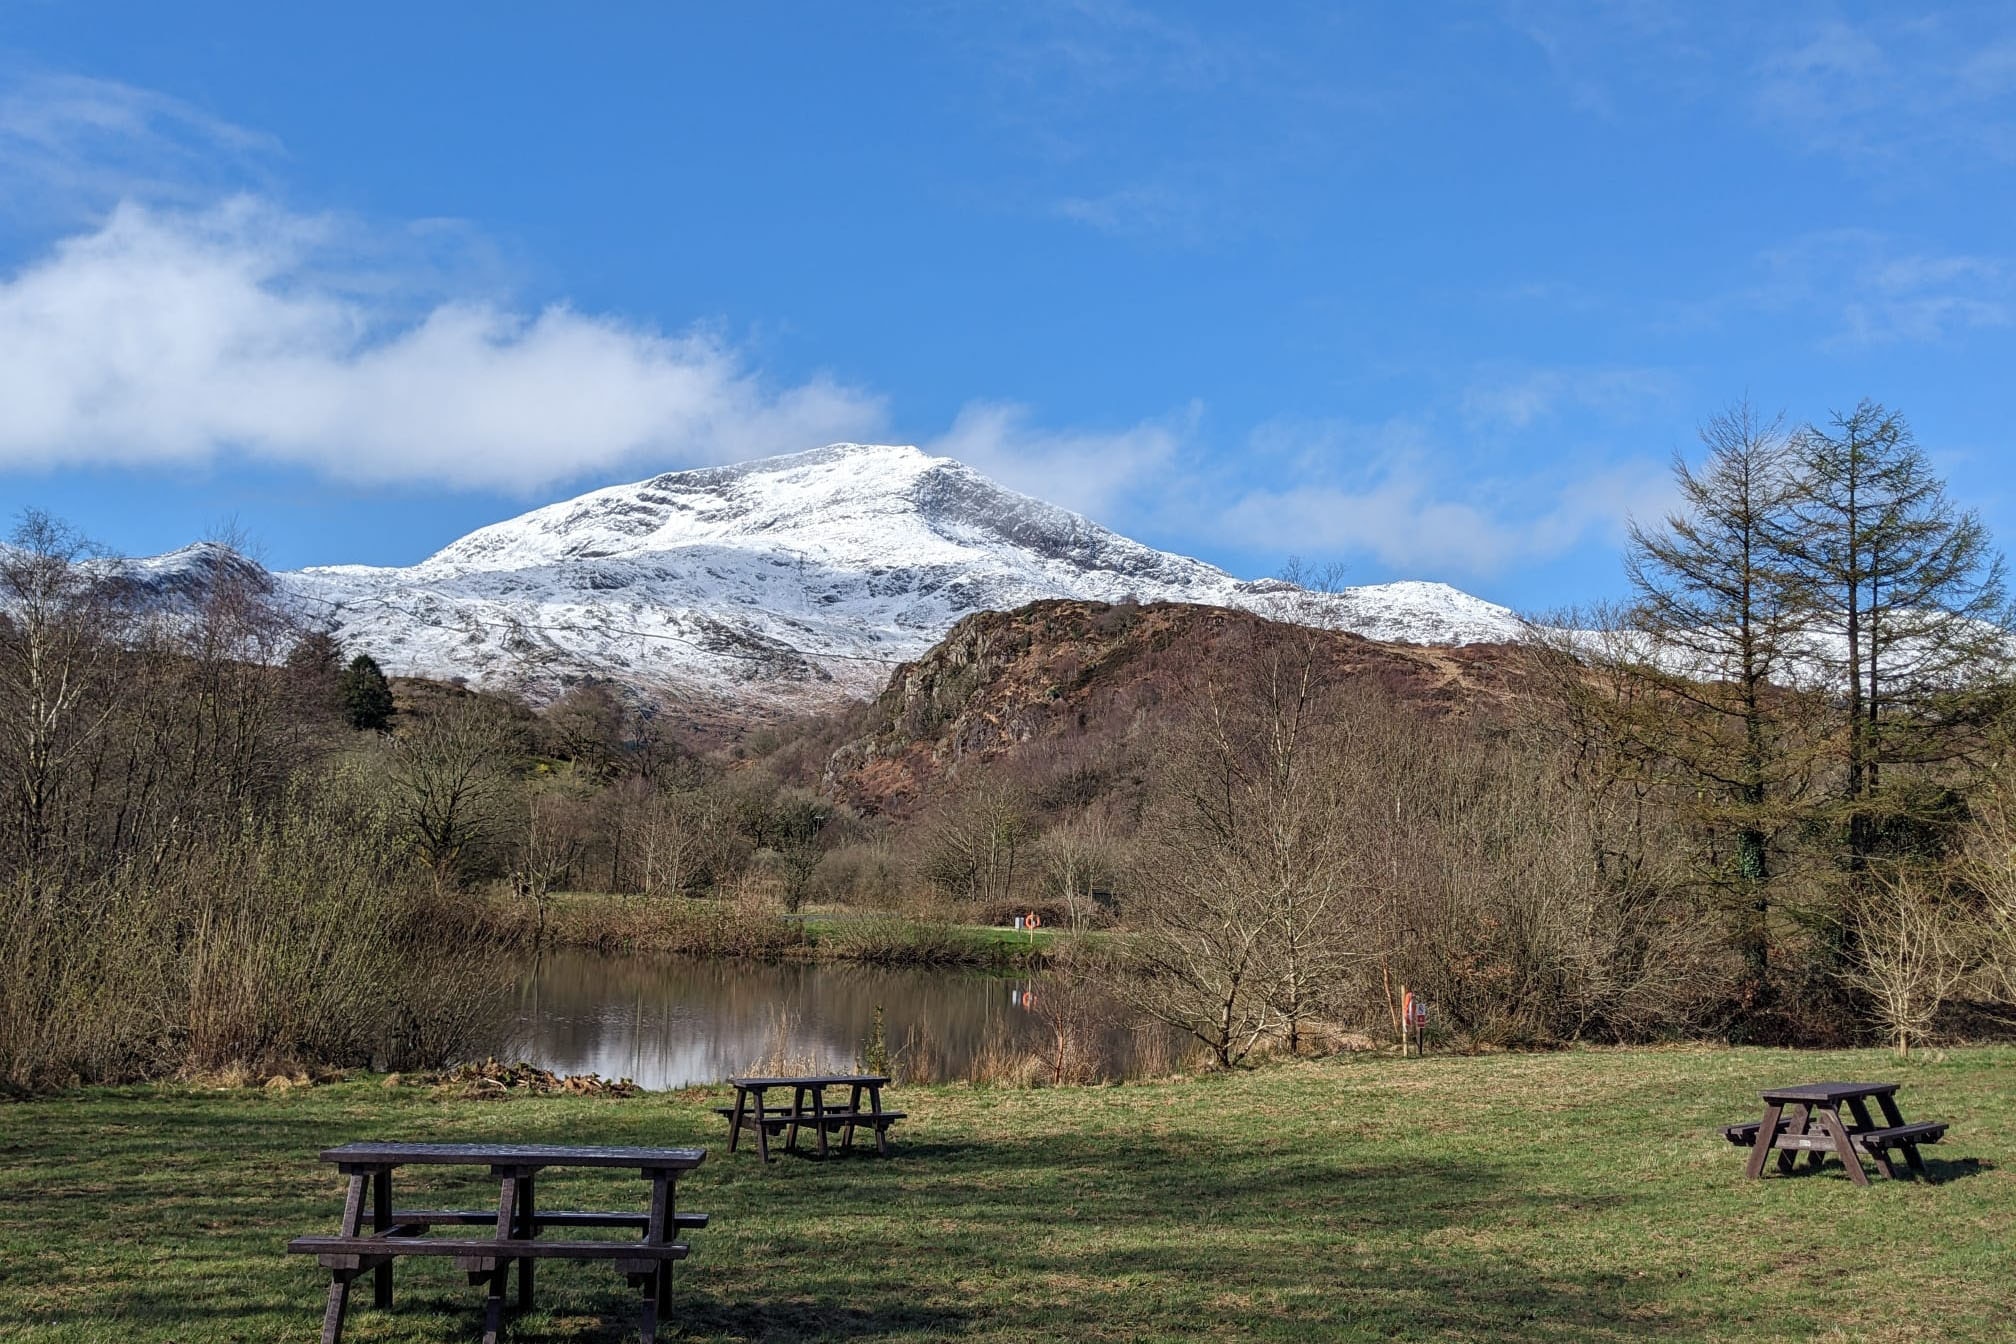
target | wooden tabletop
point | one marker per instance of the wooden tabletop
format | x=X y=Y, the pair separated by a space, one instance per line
x=816 y=1080
x=1827 y=1094
x=513 y=1155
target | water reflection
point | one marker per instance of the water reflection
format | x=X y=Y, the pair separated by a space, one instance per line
x=675 y=1021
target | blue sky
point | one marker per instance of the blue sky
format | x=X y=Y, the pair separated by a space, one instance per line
x=1433 y=291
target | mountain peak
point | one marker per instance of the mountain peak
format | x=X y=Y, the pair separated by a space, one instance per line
x=788 y=580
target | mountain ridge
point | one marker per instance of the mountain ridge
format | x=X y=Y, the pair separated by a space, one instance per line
x=786 y=583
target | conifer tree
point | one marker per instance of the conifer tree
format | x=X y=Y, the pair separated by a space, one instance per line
x=1717 y=626
x=366 y=695
x=1906 y=606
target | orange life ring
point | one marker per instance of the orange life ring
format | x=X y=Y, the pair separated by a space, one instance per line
x=1033 y=920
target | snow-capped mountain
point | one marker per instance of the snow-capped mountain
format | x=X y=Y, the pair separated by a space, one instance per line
x=789 y=580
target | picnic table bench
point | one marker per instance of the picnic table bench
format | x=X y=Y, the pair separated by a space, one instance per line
x=809 y=1109
x=515 y=1224
x=1807 y=1119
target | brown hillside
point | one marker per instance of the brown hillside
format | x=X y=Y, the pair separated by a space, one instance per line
x=1072 y=680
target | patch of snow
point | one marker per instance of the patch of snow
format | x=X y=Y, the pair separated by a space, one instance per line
x=790 y=580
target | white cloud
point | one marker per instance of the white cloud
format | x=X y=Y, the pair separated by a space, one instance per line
x=1092 y=472
x=171 y=336
x=1390 y=491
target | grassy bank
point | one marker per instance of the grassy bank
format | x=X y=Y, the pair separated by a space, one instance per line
x=722 y=928
x=1571 y=1197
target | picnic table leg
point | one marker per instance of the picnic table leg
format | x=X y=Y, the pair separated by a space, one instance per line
x=1893 y=1116
x=528 y=1228
x=1860 y=1110
x=381 y=1219
x=493 y=1304
x=339 y=1279
x=797 y=1109
x=647 y=1313
x=762 y=1128
x=853 y=1110
x=1829 y=1120
x=819 y=1116
x=339 y=1302
x=1787 y=1159
x=735 y=1123
x=659 y=1228
x=881 y=1129
x=1767 y=1136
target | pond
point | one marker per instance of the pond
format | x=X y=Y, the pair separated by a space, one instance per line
x=676 y=1021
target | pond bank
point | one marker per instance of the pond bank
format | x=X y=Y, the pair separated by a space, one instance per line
x=692 y=926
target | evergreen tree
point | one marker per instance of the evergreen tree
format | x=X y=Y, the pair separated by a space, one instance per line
x=1718 y=627
x=367 y=696
x=1906 y=605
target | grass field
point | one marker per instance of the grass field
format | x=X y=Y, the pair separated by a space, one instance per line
x=1572 y=1197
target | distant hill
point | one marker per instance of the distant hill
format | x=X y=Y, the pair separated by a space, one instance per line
x=1060 y=690
x=786 y=584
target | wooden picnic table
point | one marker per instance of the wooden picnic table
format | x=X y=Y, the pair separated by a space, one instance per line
x=1807 y=1119
x=809 y=1108
x=515 y=1224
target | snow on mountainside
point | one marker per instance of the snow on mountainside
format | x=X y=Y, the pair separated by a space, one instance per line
x=789 y=581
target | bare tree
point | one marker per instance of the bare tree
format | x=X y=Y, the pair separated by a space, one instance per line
x=1248 y=882
x=549 y=851
x=976 y=845
x=60 y=628
x=451 y=777
x=1910 y=952
x=1079 y=860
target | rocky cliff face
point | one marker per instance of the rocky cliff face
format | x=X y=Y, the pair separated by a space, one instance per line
x=1071 y=687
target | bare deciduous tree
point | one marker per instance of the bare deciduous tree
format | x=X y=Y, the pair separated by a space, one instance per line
x=1910 y=951
x=451 y=778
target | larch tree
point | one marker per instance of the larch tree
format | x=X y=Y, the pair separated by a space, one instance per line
x=1717 y=627
x=1906 y=607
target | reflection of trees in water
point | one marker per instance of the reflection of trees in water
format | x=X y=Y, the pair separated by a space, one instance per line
x=671 y=1021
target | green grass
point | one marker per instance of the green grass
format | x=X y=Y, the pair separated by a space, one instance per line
x=899 y=939
x=1570 y=1197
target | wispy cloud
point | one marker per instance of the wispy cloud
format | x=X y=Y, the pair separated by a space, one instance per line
x=1517 y=397
x=1137 y=122
x=1869 y=288
x=1095 y=472
x=1394 y=491
x=1156 y=210
x=1884 y=92
x=71 y=147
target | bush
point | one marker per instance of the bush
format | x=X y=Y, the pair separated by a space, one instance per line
x=285 y=943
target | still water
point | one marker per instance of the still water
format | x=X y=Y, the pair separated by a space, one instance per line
x=675 y=1021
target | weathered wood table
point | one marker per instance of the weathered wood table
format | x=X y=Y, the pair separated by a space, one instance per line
x=809 y=1108
x=515 y=1224
x=1807 y=1119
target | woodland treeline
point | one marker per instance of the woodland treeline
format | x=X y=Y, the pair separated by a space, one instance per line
x=1767 y=799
